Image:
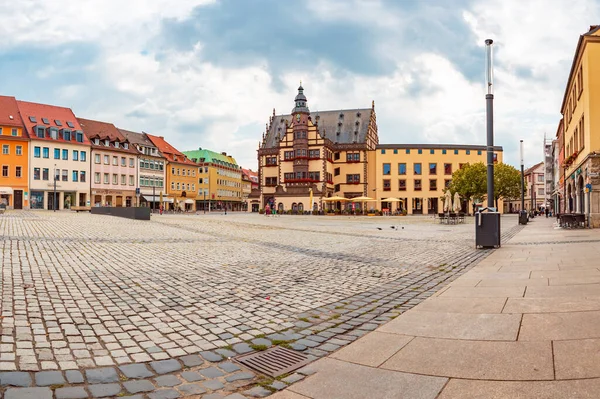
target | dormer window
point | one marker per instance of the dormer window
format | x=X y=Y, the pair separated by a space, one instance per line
x=116 y=144
x=40 y=132
x=126 y=146
x=53 y=133
x=97 y=141
x=106 y=142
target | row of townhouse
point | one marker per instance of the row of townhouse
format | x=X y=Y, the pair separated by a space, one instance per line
x=52 y=159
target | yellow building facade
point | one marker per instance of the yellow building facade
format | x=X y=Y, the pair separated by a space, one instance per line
x=581 y=124
x=418 y=174
x=305 y=158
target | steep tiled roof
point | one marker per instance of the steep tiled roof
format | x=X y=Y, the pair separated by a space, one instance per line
x=338 y=126
x=58 y=117
x=211 y=156
x=252 y=176
x=171 y=153
x=137 y=138
x=9 y=113
x=104 y=130
x=530 y=170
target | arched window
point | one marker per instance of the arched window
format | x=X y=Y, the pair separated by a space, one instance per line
x=295 y=207
x=280 y=207
x=300 y=207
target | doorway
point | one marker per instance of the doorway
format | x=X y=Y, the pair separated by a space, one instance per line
x=51 y=203
x=18 y=199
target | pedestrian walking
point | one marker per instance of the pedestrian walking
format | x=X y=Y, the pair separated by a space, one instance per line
x=547 y=211
x=267 y=210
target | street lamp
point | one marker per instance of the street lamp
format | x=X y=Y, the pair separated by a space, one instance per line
x=489 y=97
x=522 y=212
x=54 y=197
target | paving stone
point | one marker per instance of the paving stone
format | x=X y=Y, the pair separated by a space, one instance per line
x=138 y=386
x=293 y=378
x=47 y=378
x=135 y=371
x=329 y=347
x=239 y=376
x=191 y=376
x=298 y=347
x=167 y=381
x=234 y=396
x=74 y=376
x=213 y=384
x=15 y=378
x=211 y=372
x=242 y=348
x=257 y=392
x=165 y=366
x=28 y=393
x=229 y=367
x=262 y=341
x=71 y=393
x=226 y=352
x=278 y=385
x=191 y=389
x=104 y=390
x=211 y=356
x=307 y=342
x=213 y=396
x=164 y=394
x=191 y=360
x=102 y=375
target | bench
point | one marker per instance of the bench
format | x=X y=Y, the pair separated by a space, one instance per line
x=81 y=208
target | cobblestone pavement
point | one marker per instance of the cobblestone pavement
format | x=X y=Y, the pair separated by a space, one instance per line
x=98 y=306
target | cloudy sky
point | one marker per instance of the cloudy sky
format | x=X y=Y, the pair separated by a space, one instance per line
x=208 y=73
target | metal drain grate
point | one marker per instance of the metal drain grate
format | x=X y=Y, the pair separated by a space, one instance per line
x=274 y=361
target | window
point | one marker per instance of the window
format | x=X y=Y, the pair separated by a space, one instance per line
x=448 y=169
x=65 y=155
x=172 y=186
x=123 y=161
x=401 y=168
x=115 y=179
x=19 y=150
x=131 y=162
x=432 y=151
x=387 y=185
x=82 y=176
x=420 y=151
x=82 y=156
x=97 y=158
x=65 y=175
x=353 y=178
x=408 y=150
x=18 y=170
x=417 y=184
x=46 y=152
x=36 y=152
x=478 y=152
x=36 y=173
x=57 y=153
x=5 y=150
x=395 y=151
x=75 y=176
x=79 y=137
x=53 y=133
x=461 y=165
x=417 y=167
x=106 y=160
x=115 y=161
x=66 y=135
x=455 y=152
x=432 y=185
x=45 y=174
x=40 y=132
x=540 y=178
x=314 y=176
x=336 y=172
x=106 y=178
x=123 y=180
x=433 y=168
x=97 y=177
x=447 y=183
x=353 y=157
x=4 y=170
x=387 y=169
x=540 y=191
x=336 y=188
x=382 y=151
x=193 y=187
x=336 y=156
x=443 y=152
x=402 y=185
x=468 y=152
x=14 y=132
x=75 y=155
x=270 y=181
x=172 y=170
x=178 y=187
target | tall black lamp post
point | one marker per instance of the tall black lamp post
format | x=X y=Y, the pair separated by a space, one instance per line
x=489 y=99
x=54 y=197
x=522 y=213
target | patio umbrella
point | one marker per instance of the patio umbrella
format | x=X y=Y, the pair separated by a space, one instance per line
x=310 y=201
x=457 y=205
x=362 y=200
x=335 y=199
x=447 y=201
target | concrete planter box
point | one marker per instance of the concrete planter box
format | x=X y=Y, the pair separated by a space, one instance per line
x=139 y=213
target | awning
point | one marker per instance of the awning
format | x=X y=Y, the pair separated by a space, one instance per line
x=189 y=201
x=156 y=198
x=6 y=190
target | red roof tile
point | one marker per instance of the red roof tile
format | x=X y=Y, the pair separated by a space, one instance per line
x=168 y=150
x=8 y=109
x=104 y=130
x=52 y=113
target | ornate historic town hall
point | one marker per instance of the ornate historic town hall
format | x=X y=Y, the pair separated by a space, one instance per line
x=304 y=158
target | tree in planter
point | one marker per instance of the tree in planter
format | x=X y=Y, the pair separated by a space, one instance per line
x=507 y=183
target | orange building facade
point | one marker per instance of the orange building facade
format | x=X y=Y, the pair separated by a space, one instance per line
x=14 y=156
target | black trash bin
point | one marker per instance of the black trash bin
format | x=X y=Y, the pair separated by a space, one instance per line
x=487 y=229
x=523 y=217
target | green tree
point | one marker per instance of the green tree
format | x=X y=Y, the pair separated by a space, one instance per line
x=507 y=182
x=470 y=182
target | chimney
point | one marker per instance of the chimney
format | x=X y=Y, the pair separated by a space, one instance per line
x=592 y=27
x=224 y=153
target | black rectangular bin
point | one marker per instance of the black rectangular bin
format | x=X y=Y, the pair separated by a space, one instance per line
x=487 y=229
